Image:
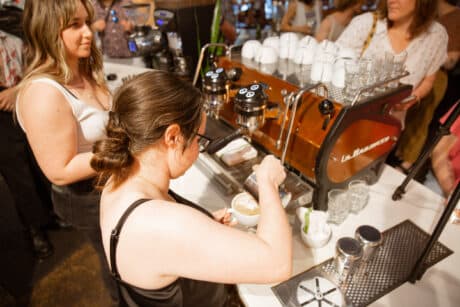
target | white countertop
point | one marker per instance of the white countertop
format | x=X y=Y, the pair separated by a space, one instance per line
x=439 y=286
x=122 y=71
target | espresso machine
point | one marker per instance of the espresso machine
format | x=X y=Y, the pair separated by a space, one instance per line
x=323 y=143
x=161 y=45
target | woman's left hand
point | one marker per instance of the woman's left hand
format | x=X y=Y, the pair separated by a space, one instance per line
x=224 y=217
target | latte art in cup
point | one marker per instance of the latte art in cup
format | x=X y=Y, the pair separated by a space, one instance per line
x=245 y=204
x=245 y=209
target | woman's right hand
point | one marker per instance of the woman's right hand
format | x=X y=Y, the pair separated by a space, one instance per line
x=99 y=25
x=270 y=171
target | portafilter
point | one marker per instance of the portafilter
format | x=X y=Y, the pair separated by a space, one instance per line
x=249 y=105
x=215 y=90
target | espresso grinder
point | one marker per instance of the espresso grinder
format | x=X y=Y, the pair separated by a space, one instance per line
x=145 y=41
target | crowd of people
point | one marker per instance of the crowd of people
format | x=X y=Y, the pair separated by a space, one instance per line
x=107 y=159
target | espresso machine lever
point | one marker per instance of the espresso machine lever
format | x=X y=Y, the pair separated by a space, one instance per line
x=295 y=103
x=200 y=60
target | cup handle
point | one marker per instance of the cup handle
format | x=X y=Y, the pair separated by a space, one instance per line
x=234 y=219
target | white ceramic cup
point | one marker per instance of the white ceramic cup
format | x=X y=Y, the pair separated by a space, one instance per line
x=245 y=202
x=250 y=49
x=316 y=241
x=304 y=56
x=266 y=55
x=288 y=45
x=272 y=41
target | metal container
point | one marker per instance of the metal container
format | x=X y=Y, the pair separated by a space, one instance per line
x=370 y=239
x=215 y=90
x=250 y=105
x=251 y=186
x=348 y=253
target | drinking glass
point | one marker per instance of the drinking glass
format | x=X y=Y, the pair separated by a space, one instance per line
x=352 y=80
x=358 y=195
x=397 y=67
x=386 y=68
x=367 y=75
x=338 y=206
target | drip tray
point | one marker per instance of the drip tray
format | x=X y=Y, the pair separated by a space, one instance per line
x=390 y=267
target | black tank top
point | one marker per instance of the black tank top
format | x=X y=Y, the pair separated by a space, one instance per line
x=183 y=292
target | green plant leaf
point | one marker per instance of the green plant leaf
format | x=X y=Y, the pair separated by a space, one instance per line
x=307 y=220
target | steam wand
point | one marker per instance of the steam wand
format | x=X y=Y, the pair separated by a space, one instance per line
x=295 y=103
x=250 y=184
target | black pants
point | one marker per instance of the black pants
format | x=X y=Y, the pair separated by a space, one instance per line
x=78 y=205
x=22 y=177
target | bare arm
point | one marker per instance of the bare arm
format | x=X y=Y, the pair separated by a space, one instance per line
x=452 y=59
x=98 y=25
x=52 y=134
x=286 y=21
x=441 y=164
x=421 y=90
x=324 y=30
x=185 y=243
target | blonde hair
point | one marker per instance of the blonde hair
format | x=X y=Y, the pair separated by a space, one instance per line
x=43 y=22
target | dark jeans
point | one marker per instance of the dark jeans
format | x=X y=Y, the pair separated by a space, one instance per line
x=78 y=205
x=21 y=175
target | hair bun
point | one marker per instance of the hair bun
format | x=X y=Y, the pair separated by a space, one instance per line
x=113 y=153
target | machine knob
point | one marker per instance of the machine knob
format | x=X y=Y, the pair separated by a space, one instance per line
x=326 y=107
x=234 y=74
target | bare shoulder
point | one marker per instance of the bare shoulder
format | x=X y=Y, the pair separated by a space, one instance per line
x=160 y=217
x=42 y=100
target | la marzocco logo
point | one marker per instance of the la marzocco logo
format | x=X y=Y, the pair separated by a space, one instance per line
x=360 y=151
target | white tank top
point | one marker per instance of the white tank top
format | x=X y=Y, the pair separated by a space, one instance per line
x=304 y=15
x=91 y=121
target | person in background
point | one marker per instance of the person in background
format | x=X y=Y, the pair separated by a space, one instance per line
x=113 y=27
x=228 y=21
x=62 y=107
x=445 y=159
x=403 y=26
x=164 y=250
x=151 y=20
x=449 y=17
x=301 y=16
x=333 y=25
x=16 y=164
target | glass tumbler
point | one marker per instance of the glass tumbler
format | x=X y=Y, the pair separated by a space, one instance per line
x=358 y=195
x=367 y=75
x=397 y=67
x=338 y=206
x=352 y=80
x=386 y=68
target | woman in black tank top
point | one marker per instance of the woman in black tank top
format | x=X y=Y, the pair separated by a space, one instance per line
x=163 y=250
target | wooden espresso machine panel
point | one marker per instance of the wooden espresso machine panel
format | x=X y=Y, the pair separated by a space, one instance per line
x=328 y=150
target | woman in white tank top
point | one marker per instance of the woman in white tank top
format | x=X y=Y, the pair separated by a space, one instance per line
x=63 y=106
x=301 y=17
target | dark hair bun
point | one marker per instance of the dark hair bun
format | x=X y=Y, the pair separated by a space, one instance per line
x=112 y=154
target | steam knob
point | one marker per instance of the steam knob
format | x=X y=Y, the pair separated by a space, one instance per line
x=234 y=74
x=326 y=107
